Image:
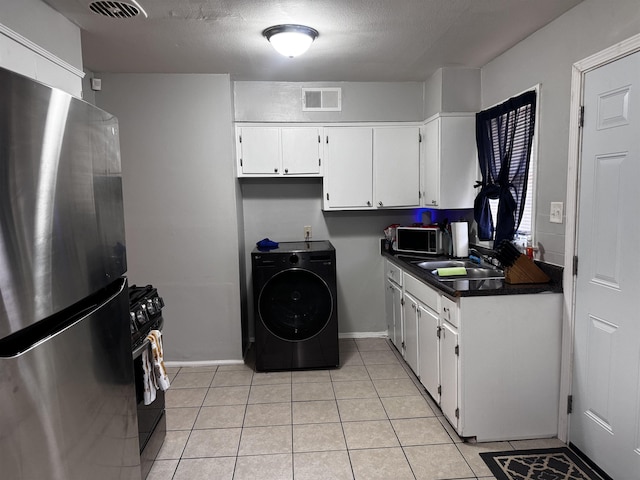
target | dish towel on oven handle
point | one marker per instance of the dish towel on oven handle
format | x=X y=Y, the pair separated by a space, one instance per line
x=155 y=373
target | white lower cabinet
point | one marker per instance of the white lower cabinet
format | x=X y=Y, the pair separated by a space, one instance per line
x=492 y=363
x=509 y=366
x=393 y=303
x=410 y=344
x=429 y=350
x=449 y=372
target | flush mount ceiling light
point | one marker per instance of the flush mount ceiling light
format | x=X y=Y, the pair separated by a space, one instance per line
x=290 y=40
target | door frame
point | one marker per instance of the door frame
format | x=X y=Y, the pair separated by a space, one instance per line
x=578 y=72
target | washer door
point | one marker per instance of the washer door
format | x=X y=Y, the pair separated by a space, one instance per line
x=295 y=305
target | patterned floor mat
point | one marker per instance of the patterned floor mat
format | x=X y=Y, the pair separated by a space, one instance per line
x=543 y=464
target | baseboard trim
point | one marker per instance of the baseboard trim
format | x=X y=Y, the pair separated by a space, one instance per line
x=382 y=334
x=213 y=363
x=203 y=363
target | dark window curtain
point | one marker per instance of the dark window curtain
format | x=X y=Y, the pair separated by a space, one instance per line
x=504 y=137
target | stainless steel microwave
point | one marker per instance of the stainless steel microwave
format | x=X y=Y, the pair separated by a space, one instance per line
x=419 y=240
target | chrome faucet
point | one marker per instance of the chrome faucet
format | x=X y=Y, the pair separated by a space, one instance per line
x=480 y=258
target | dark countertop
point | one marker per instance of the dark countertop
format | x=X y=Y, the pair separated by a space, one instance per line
x=475 y=288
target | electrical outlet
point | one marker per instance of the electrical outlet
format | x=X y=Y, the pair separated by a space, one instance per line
x=307 y=232
x=555 y=215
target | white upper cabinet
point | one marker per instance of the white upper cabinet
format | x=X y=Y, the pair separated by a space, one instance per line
x=274 y=151
x=396 y=166
x=371 y=167
x=448 y=172
x=258 y=151
x=348 y=180
x=301 y=150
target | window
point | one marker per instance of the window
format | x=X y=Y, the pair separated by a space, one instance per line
x=507 y=158
x=526 y=228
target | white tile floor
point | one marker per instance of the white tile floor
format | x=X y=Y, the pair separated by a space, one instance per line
x=370 y=419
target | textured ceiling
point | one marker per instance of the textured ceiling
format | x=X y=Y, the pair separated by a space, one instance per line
x=360 y=40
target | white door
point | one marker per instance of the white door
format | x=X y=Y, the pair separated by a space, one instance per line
x=259 y=150
x=396 y=166
x=606 y=380
x=348 y=180
x=449 y=372
x=393 y=301
x=428 y=350
x=301 y=150
x=410 y=331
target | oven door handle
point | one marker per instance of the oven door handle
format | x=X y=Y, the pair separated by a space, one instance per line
x=138 y=351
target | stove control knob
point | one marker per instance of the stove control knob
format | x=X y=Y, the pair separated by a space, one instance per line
x=293 y=259
x=141 y=315
x=157 y=301
x=151 y=308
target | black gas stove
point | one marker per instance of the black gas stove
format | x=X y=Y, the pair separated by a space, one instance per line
x=145 y=310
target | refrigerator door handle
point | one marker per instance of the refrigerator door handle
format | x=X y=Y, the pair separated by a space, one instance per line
x=21 y=342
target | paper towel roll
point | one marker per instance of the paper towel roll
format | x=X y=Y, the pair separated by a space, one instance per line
x=460 y=239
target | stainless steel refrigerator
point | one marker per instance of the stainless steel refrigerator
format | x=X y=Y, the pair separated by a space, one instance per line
x=67 y=397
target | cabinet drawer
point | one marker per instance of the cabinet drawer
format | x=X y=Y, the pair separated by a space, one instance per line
x=393 y=272
x=450 y=311
x=422 y=292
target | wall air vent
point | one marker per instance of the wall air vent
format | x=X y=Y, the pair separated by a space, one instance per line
x=321 y=99
x=114 y=9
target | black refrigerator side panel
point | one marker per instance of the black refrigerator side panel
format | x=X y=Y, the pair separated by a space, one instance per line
x=68 y=402
x=61 y=211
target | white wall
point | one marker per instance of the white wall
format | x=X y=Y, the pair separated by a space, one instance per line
x=180 y=204
x=546 y=57
x=370 y=101
x=452 y=89
x=45 y=27
x=279 y=208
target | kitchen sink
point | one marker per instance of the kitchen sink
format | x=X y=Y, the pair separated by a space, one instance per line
x=474 y=271
x=434 y=264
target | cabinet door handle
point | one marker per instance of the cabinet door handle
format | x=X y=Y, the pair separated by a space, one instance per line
x=286 y=170
x=368 y=203
x=275 y=170
x=380 y=203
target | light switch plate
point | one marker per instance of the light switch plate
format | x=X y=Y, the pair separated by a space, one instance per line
x=555 y=214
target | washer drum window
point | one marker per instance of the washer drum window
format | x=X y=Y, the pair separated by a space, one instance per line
x=295 y=305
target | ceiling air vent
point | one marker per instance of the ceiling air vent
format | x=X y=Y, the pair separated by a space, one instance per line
x=114 y=9
x=321 y=99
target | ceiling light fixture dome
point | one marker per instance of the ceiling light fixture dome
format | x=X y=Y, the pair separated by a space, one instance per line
x=290 y=40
